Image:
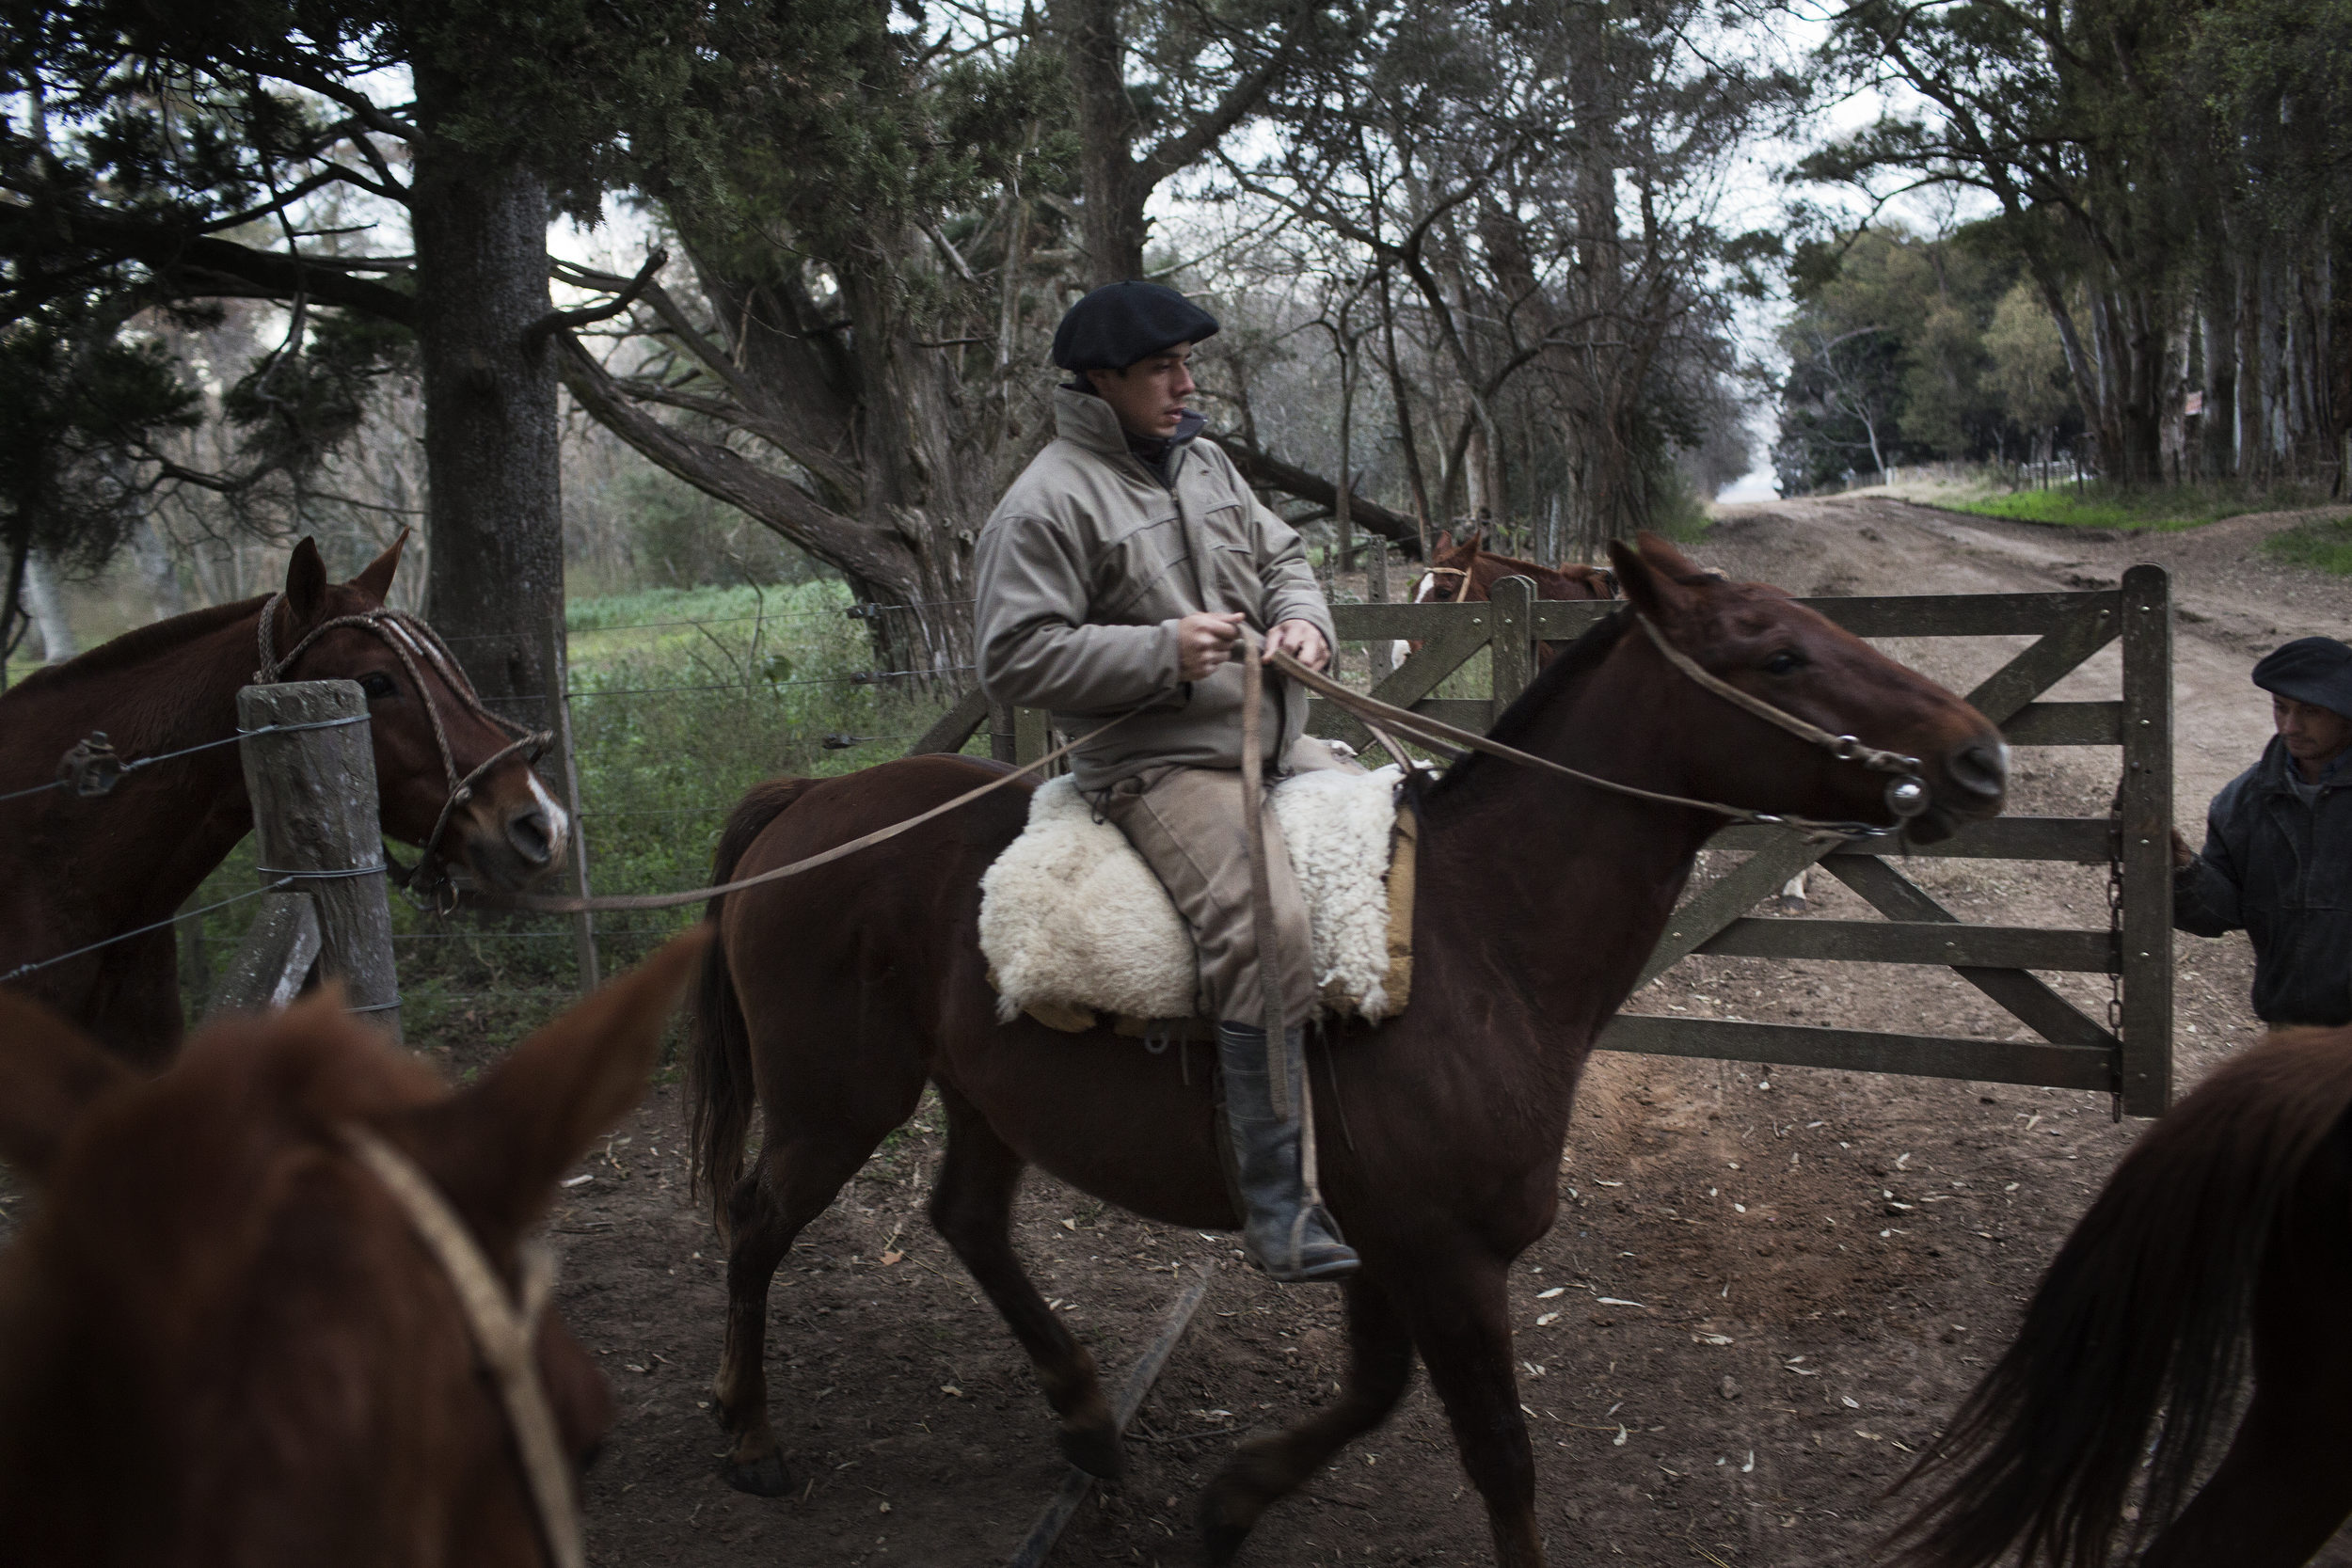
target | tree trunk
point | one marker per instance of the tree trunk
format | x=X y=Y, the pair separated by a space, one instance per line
x=494 y=518
x=1113 y=228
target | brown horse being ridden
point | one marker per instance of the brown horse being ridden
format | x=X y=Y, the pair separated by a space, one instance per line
x=78 y=870
x=836 y=995
x=2231 y=1219
x=231 y=1329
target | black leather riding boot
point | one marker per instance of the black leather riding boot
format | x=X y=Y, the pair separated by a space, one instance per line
x=1293 y=1241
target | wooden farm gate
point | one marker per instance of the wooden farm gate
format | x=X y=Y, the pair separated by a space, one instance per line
x=2128 y=1053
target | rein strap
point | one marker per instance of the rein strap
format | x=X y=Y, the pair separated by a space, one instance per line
x=503 y=1330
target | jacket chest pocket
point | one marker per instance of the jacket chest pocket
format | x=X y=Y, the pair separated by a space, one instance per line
x=1232 y=580
x=1132 y=578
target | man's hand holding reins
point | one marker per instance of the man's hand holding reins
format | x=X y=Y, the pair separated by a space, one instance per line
x=1203 y=641
x=1302 y=641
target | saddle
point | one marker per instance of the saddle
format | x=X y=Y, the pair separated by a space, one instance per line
x=1075 y=925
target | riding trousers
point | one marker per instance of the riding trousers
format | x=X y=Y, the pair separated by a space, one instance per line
x=1188 y=824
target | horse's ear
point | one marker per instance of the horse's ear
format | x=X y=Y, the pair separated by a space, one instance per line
x=1651 y=590
x=306 y=582
x=1673 y=561
x=1477 y=541
x=1442 y=544
x=50 y=1072
x=497 y=1148
x=377 y=581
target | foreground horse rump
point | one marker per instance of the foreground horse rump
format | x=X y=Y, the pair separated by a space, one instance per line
x=2231 y=1217
x=75 y=871
x=221 y=1341
x=836 y=995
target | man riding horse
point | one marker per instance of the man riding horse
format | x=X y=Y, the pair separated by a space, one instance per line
x=1117 y=577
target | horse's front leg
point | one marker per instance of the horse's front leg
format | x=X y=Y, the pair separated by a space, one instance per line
x=1460 y=1313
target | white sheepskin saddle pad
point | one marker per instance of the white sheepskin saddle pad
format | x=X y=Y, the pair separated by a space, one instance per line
x=1073 y=923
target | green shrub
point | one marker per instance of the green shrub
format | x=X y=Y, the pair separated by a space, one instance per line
x=2130 y=509
x=2325 y=543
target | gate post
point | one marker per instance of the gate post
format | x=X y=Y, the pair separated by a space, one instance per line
x=2144 y=828
x=310 y=774
x=1514 y=646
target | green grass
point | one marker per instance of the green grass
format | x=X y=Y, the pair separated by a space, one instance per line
x=2128 y=508
x=673 y=721
x=2325 y=544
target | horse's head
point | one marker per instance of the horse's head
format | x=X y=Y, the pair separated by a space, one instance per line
x=452 y=777
x=224 y=1336
x=1760 y=641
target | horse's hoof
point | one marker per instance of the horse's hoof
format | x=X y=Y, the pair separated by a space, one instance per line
x=1096 y=1451
x=764 y=1477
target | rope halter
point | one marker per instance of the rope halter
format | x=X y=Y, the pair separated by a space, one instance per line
x=412 y=639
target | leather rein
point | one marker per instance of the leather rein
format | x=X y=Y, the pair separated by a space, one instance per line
x=412 y=639
x=1906 y=793
x=503 y=1329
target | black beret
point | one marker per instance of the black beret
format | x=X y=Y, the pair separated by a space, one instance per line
x=1122 y=323
x=2314 y=670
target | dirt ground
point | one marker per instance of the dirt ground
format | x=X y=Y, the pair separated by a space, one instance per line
x=1766 y=1290
x=1824 y=1261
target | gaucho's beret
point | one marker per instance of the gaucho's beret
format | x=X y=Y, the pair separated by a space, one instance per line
x=2314 y=670
x=1122 y=323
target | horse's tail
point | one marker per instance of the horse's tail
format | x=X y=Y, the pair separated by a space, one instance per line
x=719 y=1070
x=2145 y=1313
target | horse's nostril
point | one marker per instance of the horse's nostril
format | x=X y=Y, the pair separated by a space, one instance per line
x=1981 y=766
x=530 y=834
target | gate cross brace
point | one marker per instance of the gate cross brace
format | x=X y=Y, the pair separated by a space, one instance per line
x=1998 y=697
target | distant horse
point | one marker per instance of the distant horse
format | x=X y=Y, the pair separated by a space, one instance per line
x=76 y=870
x=836 y=994
x=1466 y=573
x=2231 y=1217
x=226 y=1335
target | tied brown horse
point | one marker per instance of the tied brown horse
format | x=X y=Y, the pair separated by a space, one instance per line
x=2228 y=1223
x=78 y=870
x=1466 y=573
x=836 y=995
x=224 y=1339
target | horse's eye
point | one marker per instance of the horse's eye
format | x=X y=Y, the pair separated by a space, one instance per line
x=376 y=683
x=1783 y=661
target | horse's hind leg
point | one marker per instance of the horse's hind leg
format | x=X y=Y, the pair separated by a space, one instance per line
x=972 y=1208
x=796 y=1175
x=1380 y=1364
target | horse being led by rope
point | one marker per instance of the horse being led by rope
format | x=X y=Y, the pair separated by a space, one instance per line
x=231 y=1330
x=2230 y=1220
x=833 y=996
x=79 y=871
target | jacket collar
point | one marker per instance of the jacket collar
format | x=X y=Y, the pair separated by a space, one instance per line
x=2280 y=775
x=1085 y=420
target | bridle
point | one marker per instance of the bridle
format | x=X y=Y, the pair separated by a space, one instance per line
x=1906 y=793
x=503 y=1328
x=410 y=640
x=1461 y=590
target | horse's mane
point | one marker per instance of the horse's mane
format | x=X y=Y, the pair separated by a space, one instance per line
x=139 y=644
x=1582 y=659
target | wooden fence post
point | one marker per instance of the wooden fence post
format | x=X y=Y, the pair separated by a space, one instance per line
x=560 y=704
x=1514 y=644
x=310 y=773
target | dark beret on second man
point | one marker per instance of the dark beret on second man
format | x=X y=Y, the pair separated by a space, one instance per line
x=2314 y=670
x=1122 y=323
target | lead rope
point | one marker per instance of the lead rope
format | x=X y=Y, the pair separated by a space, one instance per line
x=1290 y=1099
x=503 y=1330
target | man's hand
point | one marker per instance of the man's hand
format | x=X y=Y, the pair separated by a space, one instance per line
x=1203 y=641
x=1302 y=642
x=2181 y=853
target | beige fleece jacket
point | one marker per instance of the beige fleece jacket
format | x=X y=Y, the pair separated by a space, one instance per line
x=1087 y=566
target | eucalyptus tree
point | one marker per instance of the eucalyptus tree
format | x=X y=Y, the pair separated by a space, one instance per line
x=1534 y=191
